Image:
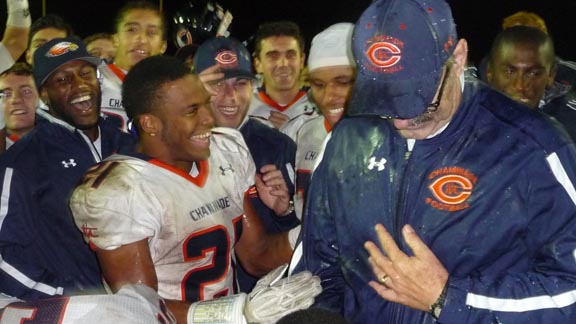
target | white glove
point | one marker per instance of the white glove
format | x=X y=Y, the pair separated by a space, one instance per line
x=271 y=299
x=274 y=297
x=18 y=13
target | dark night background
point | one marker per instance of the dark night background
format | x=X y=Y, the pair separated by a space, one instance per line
x=477 y=21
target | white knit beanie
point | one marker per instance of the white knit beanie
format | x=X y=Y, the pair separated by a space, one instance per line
x=332 y=47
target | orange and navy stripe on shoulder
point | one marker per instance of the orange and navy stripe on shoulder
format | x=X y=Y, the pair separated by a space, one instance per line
x=270 y=102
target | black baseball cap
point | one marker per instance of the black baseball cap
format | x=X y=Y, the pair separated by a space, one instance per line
x=57 y=52
x=233 y=57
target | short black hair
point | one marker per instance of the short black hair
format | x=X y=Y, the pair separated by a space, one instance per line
x=277 y=28
x=143 y=83
x=522 y=35
x=49 y=21
x=19 y=68
x=140 y=4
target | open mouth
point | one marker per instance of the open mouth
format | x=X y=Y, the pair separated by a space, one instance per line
x=336 y=111
x=230 y=110
x=140 y=52
x=82 y=103
x=17 y=112
x=204 y=137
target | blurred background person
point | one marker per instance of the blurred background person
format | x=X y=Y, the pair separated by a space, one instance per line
x=101 y=45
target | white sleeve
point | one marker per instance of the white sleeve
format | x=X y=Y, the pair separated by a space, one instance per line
x=6 y=60
x=133 y=304
x=116 y=212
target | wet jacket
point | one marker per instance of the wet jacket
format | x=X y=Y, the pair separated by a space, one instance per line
x=493 y=196
x=560 y=103
x=42 y=251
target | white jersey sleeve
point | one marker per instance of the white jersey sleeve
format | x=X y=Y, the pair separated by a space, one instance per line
x=121 y=212
x=191 y=220
x=133 y=304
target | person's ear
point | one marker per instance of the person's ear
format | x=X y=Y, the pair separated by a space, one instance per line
x=257 y=65
x=460 y=56
x=43 y=94
x=149 y=124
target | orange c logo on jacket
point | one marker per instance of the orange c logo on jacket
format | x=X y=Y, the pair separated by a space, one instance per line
x=451 y=187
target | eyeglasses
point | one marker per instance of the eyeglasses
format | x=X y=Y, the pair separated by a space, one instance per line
x=434 y=106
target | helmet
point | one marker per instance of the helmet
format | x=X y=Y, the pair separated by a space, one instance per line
x=199 y=20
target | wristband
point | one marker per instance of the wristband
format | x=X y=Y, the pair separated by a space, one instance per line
x=223 y=310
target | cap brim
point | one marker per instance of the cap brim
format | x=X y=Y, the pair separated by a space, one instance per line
x=403 y=99
x=90 y=59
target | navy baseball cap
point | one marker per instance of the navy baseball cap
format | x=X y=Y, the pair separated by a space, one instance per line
x=400 y=47
x=233 y=57
x=57 y=52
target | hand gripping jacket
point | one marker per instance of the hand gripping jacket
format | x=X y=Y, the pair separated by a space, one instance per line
x=492 y=196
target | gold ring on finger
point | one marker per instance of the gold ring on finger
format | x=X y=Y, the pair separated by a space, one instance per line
x=383 y=279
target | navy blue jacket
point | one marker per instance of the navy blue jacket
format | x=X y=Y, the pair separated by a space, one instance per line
x=267 y=145
x=42 y=251
x=493 y=196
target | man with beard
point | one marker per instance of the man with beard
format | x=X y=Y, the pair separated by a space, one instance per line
x=42 y=251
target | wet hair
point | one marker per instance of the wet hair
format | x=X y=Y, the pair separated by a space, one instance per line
x=144 y=5
x=143 y=84
x=19 y=68
x=277 y=28
x=49 y=21
x=522 y=35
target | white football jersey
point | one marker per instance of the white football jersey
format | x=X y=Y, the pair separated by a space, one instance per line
x=310 y=143
x=191 y=222
x=133 y=304
x=112 y=78
x=299 y=111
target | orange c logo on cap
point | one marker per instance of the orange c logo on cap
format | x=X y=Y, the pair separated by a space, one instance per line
x=384 y=54
x=452 y=189
x=227 y=59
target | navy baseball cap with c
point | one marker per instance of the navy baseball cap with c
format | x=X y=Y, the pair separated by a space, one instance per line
x=400 y=47
x=233 y=57
x=57 y=52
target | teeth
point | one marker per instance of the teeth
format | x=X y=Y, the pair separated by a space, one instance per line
x=336 y=110
x=140 y=52
x=18 y=112
x=202 y=136
x=80 y=99
x=228 y=110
